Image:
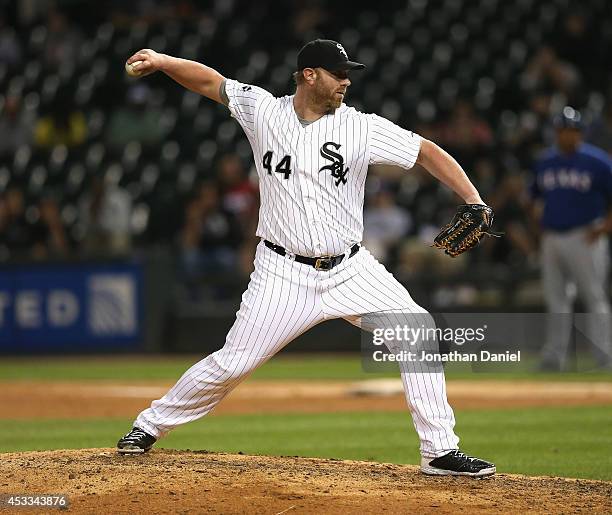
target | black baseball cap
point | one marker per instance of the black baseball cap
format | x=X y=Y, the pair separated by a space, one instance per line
x=568 y=118
x=328 y=54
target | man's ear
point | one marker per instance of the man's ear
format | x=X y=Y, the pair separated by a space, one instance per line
x=310 y=75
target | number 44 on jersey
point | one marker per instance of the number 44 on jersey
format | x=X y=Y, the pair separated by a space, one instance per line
x=283 y=166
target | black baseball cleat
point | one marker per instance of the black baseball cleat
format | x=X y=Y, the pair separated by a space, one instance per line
x=456 y=463
x=135 y=442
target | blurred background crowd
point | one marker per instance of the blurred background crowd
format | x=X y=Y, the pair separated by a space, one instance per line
x=94 y=163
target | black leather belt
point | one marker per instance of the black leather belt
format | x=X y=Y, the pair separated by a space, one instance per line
x=324 y=263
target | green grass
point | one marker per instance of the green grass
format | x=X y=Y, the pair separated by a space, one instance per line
x=284 y=367
x=568 y=441
x=169 y=368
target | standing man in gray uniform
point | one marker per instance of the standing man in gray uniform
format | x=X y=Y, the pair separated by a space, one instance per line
x=573 y=189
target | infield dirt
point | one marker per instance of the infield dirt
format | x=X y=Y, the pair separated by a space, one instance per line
x=166 y=481
x=84 y=399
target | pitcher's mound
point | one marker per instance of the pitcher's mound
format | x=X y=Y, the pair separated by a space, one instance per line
x=166 y=481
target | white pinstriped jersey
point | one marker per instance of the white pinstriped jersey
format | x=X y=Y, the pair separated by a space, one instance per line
x=312 y=178
x=312 y=184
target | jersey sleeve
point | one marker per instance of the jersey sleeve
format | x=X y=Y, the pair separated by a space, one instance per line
x=606 y=173
x=392 y=145
x=533 y=186
x=242 y=102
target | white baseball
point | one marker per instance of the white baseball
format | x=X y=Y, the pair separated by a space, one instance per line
x=132 y=69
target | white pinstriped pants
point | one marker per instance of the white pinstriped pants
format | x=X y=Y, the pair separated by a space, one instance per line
x=283 y=300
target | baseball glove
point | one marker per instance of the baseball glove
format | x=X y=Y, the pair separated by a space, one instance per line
x=464 y=231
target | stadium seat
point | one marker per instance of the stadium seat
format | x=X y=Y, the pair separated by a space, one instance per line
x=186 y=177
x=139 y=219
x=105 y=34
x=5 y=177
x=113 y=173
x=149 y=177
x=21 y=159
x=75 y=179
x=37 y=177
x=94 y=157
x=57 y=160
x=132 y=153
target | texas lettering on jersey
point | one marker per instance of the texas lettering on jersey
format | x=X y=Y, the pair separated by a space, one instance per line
x=337 y=169
x=565 y=178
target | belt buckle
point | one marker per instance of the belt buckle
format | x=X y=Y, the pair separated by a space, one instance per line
x=324 y=263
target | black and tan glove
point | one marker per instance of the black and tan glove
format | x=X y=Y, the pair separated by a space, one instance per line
x=464 y=231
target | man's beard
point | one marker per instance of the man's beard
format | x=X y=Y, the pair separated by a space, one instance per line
x=335 y=101
x=329 y=103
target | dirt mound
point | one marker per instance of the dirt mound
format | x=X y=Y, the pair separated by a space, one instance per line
x=165 y=481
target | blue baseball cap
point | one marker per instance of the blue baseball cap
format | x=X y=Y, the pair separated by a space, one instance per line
x=568 y=118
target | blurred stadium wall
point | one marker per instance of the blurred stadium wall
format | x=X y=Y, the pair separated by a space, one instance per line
x=127 y=207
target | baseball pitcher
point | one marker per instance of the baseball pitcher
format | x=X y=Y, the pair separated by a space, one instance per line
x=312 y=154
